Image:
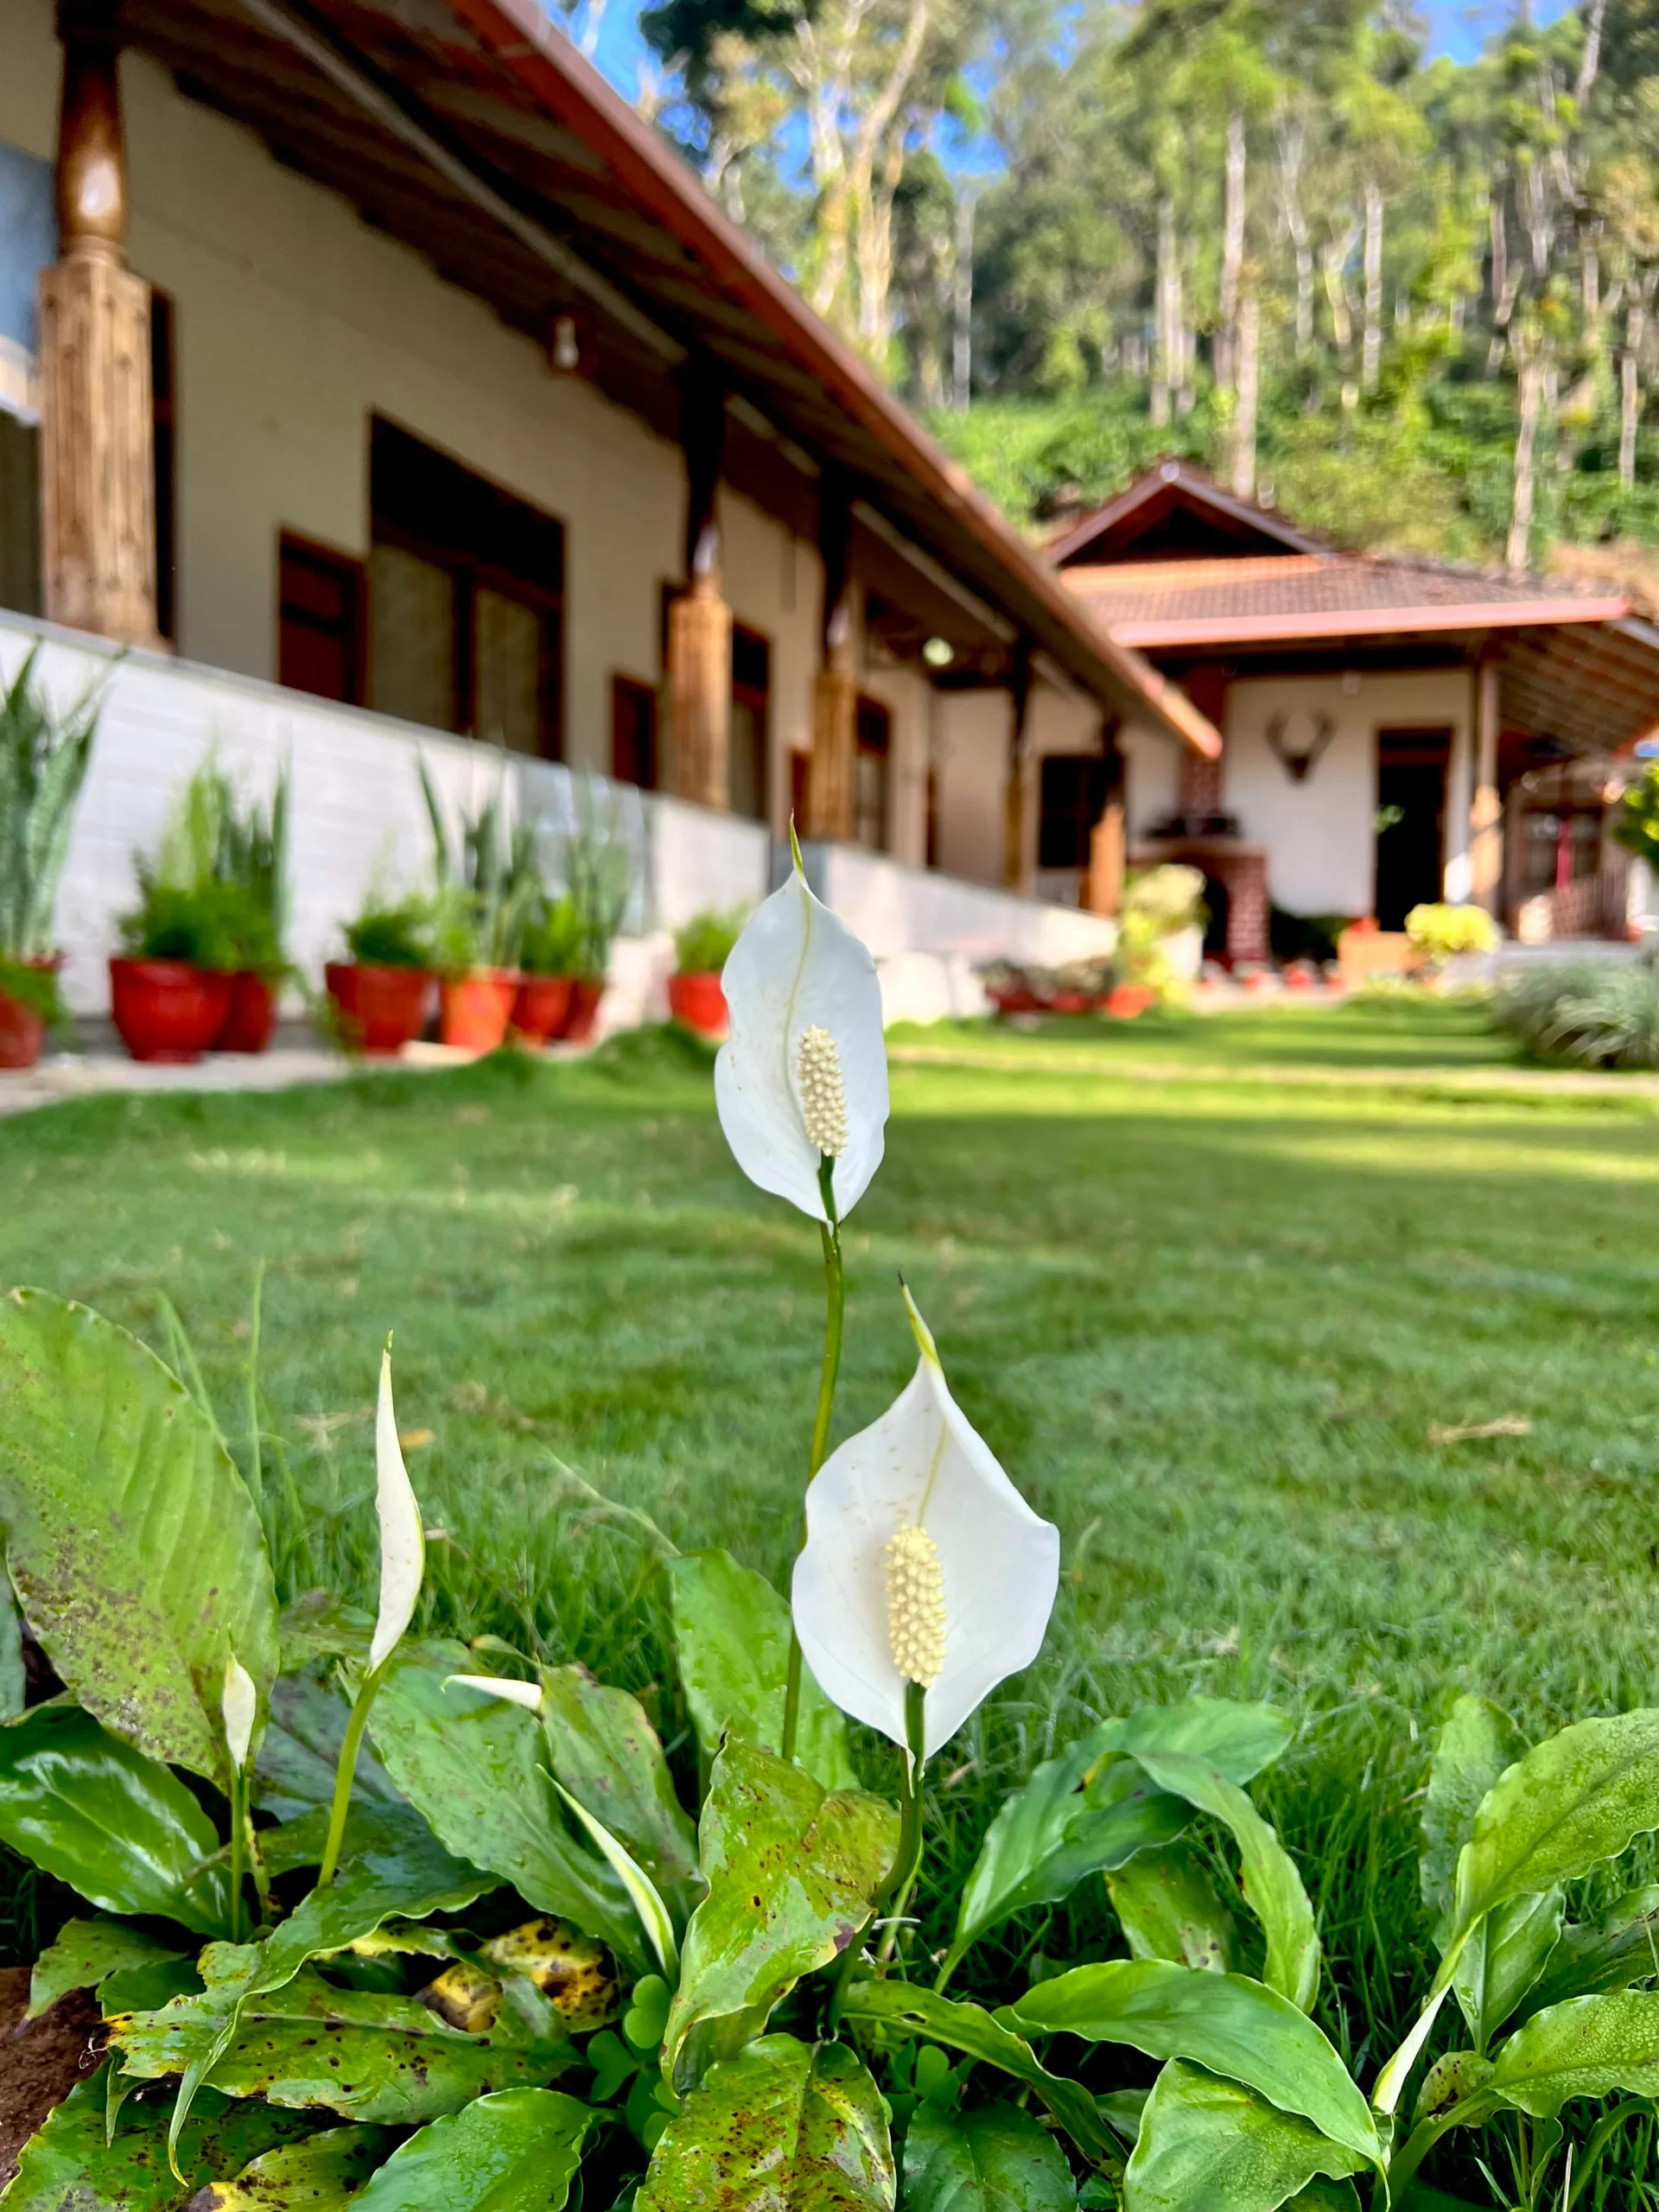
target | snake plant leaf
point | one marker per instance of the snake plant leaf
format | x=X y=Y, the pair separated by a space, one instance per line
x=1170 y=1908
x=477 y=1769
x=792 y=1871
x=516 y=2151
x=120 y=1828
x=1621 y=1948
x=783 y=2124
x=324 y=2173
x=971 y=2031
x=1205 y=2142
x=296 y=1762
x=732 y=1631
x=1273 y=1888
x=362 y=2054
x=1230 y=2025
x=85 y=1954
x=44 y=757
x=1589 y=2047
x=1478 y=1742
x=995 y=2159
x=1088 y=1810
x=70 y=2164
x=134 y=1547
x=402 y=1535
x=606 y=1754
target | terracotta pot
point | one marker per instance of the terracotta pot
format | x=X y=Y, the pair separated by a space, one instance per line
x=1015 y=999
x=166 y=1010
x=585 y=996
x=541 y=1008
x=699 y=1002
x=22 y=1032
x=380 y=1008
x=1125 y=1001
x=251 y=1018
x=473 y=1010
x=1068 y=1002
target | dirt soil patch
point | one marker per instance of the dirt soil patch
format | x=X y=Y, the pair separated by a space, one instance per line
x=40 y=2061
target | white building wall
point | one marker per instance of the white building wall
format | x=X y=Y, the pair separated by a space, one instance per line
x=1152 y=777
x=1320 y=834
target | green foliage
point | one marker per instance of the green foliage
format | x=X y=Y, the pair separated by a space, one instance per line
x=1206 y=2140
x=215 y=895
x=1600 y=1013
x=1440 y=932
x=553 y=939
x=395 y=936
x=517 y=2151
x=69 y=2163
x=783 y=2123
x=702 y=945
x=486 y=885
x=44 y=757
x=1637 y=827
x=994 y=2160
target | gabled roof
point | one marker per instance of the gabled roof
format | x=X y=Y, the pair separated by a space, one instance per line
x=1177 y=512
x=472 y=131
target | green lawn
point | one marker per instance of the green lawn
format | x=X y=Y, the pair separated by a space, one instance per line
x=1211 y=1322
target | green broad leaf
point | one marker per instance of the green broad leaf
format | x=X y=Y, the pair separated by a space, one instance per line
x=476 y=1767
x=69 y=2167
x=1273 y=1888
x=1170 y=1908
x=1091 y=1810
x=783 y=2127
x=85 y=1954
x=322 y=2174
x=970 y=2029
x=321 y=1625
x=1322 y=2196
x=1611 y=1953
x=1589 y=2047
x=1576 y=1798
x=1478 y=1742
x=1212 y=2145
x=1502 y=1959
x=793 y=1872
x=731 y=1630
x=118 y=1827
x=995 y=2159
x=1229 y=2025
x=299 y=1755
x=134 y=1547
x=14 y=1681
x=516 y=2151
x=606 y=1754
x=146 y=1989
x=366 y=2056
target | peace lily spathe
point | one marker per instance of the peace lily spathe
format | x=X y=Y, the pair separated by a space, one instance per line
x=402 y=1539
x=240 y=1705
x=922 y=1564
x=804 y=1072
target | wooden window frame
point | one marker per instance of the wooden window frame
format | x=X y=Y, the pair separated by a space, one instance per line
x=1088 y=769
x=633 y=691
x=352 y=572
x=164 y=457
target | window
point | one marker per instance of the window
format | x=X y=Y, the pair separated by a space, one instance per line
x=466 y=600
x=633 y=733
x=751 y=722
x=319 y=620
x=874 y=728
x=1072 y=801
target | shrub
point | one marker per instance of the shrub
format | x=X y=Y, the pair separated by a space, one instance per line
x=214 y=893
x=221 y=926
x=391 y=936
x=702 y=945
x=1439 y=933
x=1597 y=1013
x=553 y=940
x=1637 y=826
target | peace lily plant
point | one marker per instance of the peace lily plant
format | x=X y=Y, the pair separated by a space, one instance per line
x=376 y=1919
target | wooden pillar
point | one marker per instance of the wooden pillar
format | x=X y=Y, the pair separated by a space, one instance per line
x=1485 y=809
x=97 y=481
x=699 y=620
x=1103 y=890
x=1016 y=861
x=834 y=687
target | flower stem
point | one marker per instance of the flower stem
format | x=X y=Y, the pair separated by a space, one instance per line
x=238 y=1802
x=894 y=1892
x=344 y=1773
x=835 y=1298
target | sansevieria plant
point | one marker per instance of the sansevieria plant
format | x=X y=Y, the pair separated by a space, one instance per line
x=43 y=761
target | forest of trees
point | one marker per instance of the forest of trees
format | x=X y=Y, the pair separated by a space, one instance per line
x=1412 y=300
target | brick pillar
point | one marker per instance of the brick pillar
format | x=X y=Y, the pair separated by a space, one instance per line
x=1247 y=916
x=1201 y=778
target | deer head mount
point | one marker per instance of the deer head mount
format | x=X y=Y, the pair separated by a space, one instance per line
x=1299 y=762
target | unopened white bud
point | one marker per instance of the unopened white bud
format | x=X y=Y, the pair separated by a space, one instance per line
x=915 y=1606
x=822 y=1093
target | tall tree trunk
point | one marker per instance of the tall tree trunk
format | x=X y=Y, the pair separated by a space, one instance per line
x=1500 y=231
x=1371 y=355
x=1630 y=392
x=1250 y=352
x=1595 y=16
x=1232 y=255
x=1292 y=142
x=878 y=143
x=1526 y=439
x=962 y=302
x=1164 y=367
x=1334 y=262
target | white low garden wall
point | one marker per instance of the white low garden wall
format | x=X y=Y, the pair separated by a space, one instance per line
x=357 y=814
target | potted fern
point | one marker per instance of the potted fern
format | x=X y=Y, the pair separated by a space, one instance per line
x=485 y=883
x=599 y=868
x=701 y=948
x=43 y=762
x=549 y=955
x=382 y=988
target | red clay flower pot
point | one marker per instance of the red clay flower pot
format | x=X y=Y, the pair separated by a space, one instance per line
x=251 y=1018
x=166 y=1010
x=699 y=1002
x=22 y=1032
x=1068 y=1002
x=380 y=1008
x=1015 y=999
x=1124 y=1002
x=541 y=1008
x=473 y=1010
x=585 y=996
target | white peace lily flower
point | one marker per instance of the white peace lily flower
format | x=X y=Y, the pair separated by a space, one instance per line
x=528 y=1694
x=239 y=1707
x=403 y=1540
x=803 y=1071
x=922 y=1564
